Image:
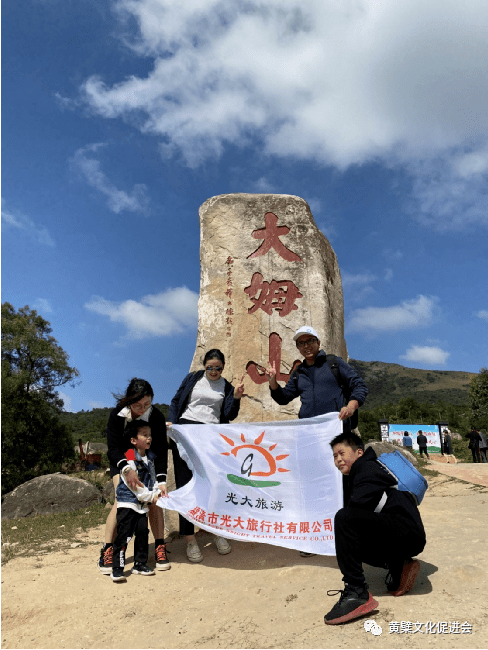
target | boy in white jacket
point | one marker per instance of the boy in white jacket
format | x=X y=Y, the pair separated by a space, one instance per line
x=132 y=505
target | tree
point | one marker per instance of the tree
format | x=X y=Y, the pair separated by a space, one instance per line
x=34 y=440
x=478 y=399
x=35 y=359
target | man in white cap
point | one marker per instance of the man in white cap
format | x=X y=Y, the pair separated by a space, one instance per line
x=315 y=382
x=321 y=388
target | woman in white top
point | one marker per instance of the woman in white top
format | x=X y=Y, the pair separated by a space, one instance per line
x=204 y=397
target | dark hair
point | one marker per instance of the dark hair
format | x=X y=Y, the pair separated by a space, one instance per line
x=214 y=354
x=136 y=390
x=351 y=439
x=133 y=427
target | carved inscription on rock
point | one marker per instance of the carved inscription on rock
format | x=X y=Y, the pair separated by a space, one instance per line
x=253 y=299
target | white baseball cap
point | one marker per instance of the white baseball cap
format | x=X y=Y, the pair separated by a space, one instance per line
x=305 y=330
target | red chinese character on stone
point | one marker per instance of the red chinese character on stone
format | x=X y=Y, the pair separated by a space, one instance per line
x=229 y=260
x=229 y=293
x=229 y=312
x=256 y=372
x=280 y=295
x=271 y=234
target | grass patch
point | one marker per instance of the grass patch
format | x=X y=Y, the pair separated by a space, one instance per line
x=43 y=534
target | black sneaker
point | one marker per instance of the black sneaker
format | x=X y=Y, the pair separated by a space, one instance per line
x=354 y=602
x=142 y=570
x=305 y=554
x=106 y=558
x=118 y=575
x=160 y=554
x=401 y=579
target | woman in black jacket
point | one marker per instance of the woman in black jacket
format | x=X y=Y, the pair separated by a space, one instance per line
x=204 y=397
x=136 y=404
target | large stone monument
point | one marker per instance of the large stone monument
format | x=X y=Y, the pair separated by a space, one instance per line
x=266 y=270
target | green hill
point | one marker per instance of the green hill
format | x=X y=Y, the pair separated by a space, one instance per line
x=390 y=383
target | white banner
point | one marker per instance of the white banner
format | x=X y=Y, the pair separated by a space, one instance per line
x=272 y=482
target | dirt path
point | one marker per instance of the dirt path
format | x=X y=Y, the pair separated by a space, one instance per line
x=259 y=596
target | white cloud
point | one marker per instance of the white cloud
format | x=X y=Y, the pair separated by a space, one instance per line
x=403 y=83
x=24 y=223
x=426 y=354
x=95 y=405
x=118 y=200
x=357 y=279
x=388 y=275
x=357 y=287
x=263 y=186
x=42 y=305
x=483 y=314
x=66 y=402
x=169 y=312
x=410 y=314
x=393 y=255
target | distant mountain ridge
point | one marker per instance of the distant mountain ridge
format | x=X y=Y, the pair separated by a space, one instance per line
x=388 y=383
x=391 y=382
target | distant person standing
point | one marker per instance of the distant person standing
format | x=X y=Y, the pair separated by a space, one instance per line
x=407 y=440
x=447 y=446
x=422 y=443
x=483 y=445
x=474 y=444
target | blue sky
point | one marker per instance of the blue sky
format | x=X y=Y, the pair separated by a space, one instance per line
x=121 y=118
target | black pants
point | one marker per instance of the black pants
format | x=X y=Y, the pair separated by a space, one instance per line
x=377 y=539
x=423 y=450
x=476 y=455
x=129 y=523
x=183 y=475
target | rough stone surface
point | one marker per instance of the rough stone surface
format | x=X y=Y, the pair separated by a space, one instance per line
x=49 y=494
x=387 y=448
x=266 y=270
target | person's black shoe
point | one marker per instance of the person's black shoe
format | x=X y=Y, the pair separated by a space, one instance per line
x=354 y=602
x=104 y=564
x=142 y=570
x=400 y=580
x=117 y=575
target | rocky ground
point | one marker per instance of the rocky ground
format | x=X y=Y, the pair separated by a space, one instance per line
x=259 y=596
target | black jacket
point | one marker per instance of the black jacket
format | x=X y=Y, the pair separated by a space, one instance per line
x=118 y=442
x=318 y=389
x=364 y=487
x=230 y=406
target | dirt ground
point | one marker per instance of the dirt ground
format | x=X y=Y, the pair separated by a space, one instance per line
x=259 y=596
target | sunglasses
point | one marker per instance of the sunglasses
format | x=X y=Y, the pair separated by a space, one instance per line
x=302 y=344
x=212 y=368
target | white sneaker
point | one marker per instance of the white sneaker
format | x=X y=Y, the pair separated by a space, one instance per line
x=223 y=546
x=193 y=552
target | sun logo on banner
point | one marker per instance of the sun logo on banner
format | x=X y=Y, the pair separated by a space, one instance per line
x=246 y=467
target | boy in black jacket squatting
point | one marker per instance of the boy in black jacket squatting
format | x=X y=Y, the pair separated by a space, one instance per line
x=385 y=535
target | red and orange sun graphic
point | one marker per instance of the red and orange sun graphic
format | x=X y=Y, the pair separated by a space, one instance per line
x=266 y=454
